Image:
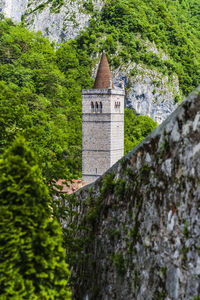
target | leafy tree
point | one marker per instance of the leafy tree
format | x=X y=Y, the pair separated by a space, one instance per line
x=125 y=27
x=136 y=128
x=32 y=259
x=41 y=99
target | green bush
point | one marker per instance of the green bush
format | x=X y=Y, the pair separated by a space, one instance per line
x=32 y=260
x=136 y=128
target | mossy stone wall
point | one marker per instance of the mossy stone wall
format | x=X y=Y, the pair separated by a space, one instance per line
x=140 y=222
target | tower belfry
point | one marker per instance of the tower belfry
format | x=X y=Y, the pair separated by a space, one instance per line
x=102 y=124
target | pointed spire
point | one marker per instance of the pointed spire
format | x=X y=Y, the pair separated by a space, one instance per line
x=104 y=78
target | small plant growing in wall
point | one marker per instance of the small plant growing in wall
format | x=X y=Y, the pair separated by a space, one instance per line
x=120 y=188
x=185 y=252
x=114 y=234
x=185 y=230
x=163 y=272
x=119 y=263
x=108 y=185
x=196 y=297
x=135 y=280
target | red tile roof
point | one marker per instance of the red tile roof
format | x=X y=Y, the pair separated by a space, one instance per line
x=71 y=186
x=104 y=78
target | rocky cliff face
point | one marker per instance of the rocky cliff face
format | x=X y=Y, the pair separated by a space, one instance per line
x=148 y=92
x=13 y=9
x=59 y=21
x=139 y=224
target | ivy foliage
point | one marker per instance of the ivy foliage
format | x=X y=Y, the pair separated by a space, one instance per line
x=32 y=260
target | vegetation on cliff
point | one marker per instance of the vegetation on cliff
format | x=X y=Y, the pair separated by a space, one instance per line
x=129 y=29
x=136 y=128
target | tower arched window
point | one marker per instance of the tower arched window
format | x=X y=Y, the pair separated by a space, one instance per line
x=96 y=107
x=92 y=106
x=117 y=104
x=100 y=107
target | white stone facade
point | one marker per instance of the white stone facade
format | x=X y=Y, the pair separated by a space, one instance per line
x=102 y=131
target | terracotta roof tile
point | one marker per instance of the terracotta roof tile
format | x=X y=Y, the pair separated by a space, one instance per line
x=71 y=186
x=104 y=78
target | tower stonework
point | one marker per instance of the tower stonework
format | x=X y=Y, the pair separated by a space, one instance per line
x=102 y=124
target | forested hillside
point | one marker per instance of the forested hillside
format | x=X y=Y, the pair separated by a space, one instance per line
x=39 y=101
x=131 y=28
x=124 y=27
x=187 y=13
x=40 y=98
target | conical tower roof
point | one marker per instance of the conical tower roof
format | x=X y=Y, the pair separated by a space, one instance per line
x=104 y=78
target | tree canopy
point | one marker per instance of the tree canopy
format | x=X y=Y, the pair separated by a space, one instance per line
x=32 y=260
x=136 y=128
x=41 y=99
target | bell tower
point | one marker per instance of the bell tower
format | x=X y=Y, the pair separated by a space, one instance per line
x=102 y=124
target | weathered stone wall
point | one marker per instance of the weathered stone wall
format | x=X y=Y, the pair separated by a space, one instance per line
x=102 y=131
x=140 y=222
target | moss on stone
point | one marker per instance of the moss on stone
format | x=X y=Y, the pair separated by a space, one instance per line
x=114 y=233
x=108 y=185
x=119 y=263
x=120 y=188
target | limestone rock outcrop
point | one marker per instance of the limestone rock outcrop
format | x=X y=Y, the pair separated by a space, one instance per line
x=140 y=222
x=58 y=22
x=148 y=92
x=13 y=9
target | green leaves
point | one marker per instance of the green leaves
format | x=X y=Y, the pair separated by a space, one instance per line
x=41 y=99
x=32 y=260
x=136 y=128
x=41 y=87
x=160 y=22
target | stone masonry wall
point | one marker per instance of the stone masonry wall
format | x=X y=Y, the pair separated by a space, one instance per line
x=139 y=224
x=102 y=131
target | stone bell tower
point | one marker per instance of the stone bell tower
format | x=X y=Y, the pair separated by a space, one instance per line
x=102 y=124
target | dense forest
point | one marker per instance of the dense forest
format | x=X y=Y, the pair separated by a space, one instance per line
x=123 y=27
